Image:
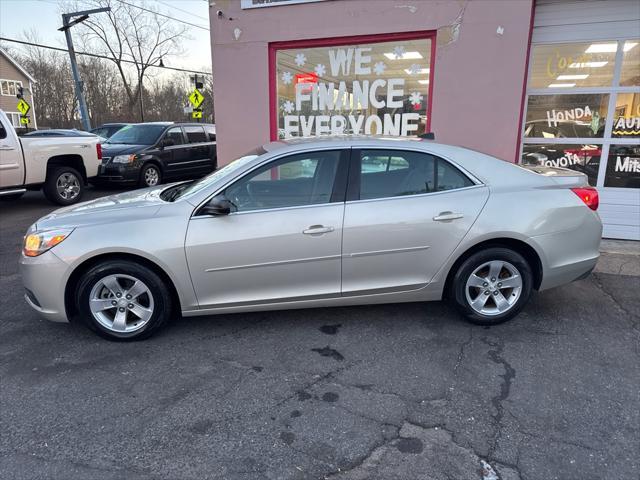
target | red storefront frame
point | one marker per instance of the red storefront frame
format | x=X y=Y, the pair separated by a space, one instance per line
x=341 y=41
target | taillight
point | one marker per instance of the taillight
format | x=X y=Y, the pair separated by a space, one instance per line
x=99 y=150
x=588 y=195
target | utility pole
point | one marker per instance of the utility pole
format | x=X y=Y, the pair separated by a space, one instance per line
x=141 y=101
x=67 y=23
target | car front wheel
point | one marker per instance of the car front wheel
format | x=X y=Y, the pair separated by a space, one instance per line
x=150 y=176
x=123 y=300
x=492 y=286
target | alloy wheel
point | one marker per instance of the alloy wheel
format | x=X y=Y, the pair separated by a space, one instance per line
x=68 y=186
x=493 y=288
x=151 y=176
x=121 y=303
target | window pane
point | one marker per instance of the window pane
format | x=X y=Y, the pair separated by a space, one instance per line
x=12 y=88
x=572 y=65
x=378 y=181
x=303 y=179
x=566 y=116
x=450 y=178
x=4 y=85
x=626 y=119
x=623 y=166
x=175 y=134
x=582 y=158
x=195 y=134
x=373 y=88
x=630 y=74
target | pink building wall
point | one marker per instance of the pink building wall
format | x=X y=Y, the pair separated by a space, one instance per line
x=478 y=79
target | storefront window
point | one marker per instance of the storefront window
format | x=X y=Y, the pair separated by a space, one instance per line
x=623 y=166
x=572 y=65
x=630 y=74
x=566 y=116
x=582 y=158
x=364 y=88
x=626 y=120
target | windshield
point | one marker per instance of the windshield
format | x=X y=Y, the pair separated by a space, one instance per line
x=183 y=190
x=137 y=134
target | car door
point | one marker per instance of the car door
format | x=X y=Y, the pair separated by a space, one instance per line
x=175 y=152
x=406 y=212
x=199 y=150
x=11 y=164
x=283 y=240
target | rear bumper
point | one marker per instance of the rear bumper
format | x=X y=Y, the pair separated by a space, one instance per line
x=570 y=255
x=43 y=278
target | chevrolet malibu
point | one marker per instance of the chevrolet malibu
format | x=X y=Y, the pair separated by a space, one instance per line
x=317 y=223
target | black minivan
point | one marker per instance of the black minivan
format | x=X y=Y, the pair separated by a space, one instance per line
x=147 y=154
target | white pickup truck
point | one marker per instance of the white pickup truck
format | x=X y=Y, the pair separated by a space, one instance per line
x=61 y=166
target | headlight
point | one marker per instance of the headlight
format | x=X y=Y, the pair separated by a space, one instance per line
x=123 y=158
x=39 y=242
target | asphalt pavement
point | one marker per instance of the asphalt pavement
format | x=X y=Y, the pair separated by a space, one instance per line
x=384 y=392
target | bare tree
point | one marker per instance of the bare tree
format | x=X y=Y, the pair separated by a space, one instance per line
x=129 y=36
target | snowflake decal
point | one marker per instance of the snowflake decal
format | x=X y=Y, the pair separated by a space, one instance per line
x=287 y=78
x=399 y=52
x=320 y=70
x=416 y=99
x=288 y=106
x=300 y=59
x=414 y=69
x=379 y=68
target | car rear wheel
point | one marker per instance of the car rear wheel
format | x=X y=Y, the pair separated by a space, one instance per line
x=123 y=300
x=150 y=175
x=64 y=186
x=492 y=286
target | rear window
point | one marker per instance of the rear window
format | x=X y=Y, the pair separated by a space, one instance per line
x=195 y=134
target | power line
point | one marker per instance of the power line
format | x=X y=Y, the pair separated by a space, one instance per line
x=39 y=45
x=162 y=15
x=182 y=10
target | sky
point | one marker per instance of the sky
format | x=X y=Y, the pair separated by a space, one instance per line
x=43 y=16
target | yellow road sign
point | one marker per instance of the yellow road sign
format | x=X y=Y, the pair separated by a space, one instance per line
x=23 y=106
x=24 y=120
x=197 y=114
x=196 y=98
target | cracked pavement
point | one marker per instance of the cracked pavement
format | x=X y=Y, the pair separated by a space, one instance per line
x=383 y=392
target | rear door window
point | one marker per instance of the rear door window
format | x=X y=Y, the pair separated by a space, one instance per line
x=396 y=173
x=195 y=134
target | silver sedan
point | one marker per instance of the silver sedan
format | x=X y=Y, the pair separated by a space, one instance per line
x=317 y=223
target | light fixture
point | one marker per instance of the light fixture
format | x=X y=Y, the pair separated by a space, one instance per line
x=581 y=76
x=609 y=47
x=561 y=85
x=405 y=56
x=587 y=64
x=420 y=71
x=423 y=82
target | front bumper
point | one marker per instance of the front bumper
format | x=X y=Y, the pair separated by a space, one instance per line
x=44 y=278
x=117 y=173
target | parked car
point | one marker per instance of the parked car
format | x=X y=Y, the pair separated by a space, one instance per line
x=146 y=154
x=106 y=130
x=306 y=223
x=60 y=165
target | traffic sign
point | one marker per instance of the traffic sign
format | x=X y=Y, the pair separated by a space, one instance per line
x=196 y=98
x=197 y=114
x=24 y=120
x=23 y=106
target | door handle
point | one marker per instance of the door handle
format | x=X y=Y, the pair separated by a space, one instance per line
x=447 y=216
x=317 y=230
x=6 y=147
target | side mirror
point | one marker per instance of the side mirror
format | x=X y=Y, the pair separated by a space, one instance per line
x=167 y=142
x=218 y=206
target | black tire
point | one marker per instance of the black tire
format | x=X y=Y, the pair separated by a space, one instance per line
x=458 y=288
x=161 y=304
x=50 y=187
x=146 y=175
